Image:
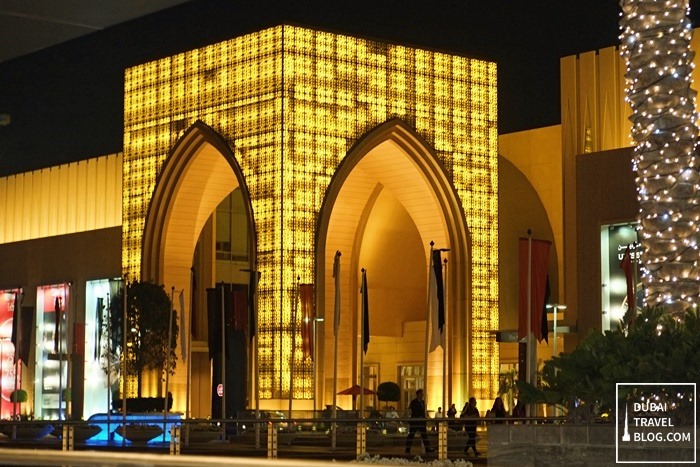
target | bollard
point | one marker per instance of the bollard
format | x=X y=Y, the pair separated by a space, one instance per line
x=442 y=440
x=68 y=437
x=175 y=432
x=271 y=440
x=361 y=446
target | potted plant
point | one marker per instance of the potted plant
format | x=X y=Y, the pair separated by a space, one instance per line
x=139 y=433
x=148 y=316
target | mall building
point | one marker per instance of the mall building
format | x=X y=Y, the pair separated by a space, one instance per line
x=271 y=152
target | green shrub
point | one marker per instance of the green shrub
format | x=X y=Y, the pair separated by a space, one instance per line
x=654 y=348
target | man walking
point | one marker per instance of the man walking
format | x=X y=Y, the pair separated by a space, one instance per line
x=418 y=411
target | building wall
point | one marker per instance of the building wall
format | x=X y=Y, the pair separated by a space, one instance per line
x=65 y=199
x=535 y=153
x=607 y=194
x=292 y=103
x=75 y=259
x=593 y=118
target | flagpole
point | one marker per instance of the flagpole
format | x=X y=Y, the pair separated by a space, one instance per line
x=188 y=343
x=444 y=344
x=294 y=341
x=109 y=359
x=223 y=359
x=125 y=355
x=427 y=317
x=189 y=347
x=254 y=351
x=70 y=342
x=167 y=361
x=528 y=373
x=18 y=317
x=57 y=312
x=363 y=291
x=336 y=328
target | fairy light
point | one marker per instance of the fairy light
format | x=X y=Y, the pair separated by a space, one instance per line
x=655 y=42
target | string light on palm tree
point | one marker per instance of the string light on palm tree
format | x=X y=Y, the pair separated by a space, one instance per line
x=655 y=42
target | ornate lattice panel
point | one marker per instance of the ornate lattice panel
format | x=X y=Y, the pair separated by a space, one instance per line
x=291 y=102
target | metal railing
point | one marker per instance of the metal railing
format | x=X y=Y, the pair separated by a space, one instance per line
x=303 y=437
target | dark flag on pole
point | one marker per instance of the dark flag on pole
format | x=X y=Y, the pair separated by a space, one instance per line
x=626 y=266
x=336 y=276
x=57 y=329
x=99 y=310
x=26 y=326
x=436 y=296
x=22 y=326
x=193 y=304
x=365 y=312
x=254 y=279
x=545 y=322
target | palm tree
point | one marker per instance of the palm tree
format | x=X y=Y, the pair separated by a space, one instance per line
x=656 y=45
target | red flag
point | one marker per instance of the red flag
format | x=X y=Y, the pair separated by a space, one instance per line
x=308 y=314
x=626 y=266
x=539 y=263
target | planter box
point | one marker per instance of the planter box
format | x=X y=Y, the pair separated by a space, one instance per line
x=139 y=433
x=80 y=432
x=25 y=432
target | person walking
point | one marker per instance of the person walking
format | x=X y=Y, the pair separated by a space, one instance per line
x=469 y=414
x=418 y=411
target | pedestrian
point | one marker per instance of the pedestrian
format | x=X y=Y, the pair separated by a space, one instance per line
x=418 y=411
x=452 y=411
x=519 y=409
x=498 y=410
x=470 y=414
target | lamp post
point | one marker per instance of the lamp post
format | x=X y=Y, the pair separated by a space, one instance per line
x=556 y=307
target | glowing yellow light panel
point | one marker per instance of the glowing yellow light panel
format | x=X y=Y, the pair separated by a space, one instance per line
x=291 y=102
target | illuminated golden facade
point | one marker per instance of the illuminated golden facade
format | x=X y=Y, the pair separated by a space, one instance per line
x=291 y=102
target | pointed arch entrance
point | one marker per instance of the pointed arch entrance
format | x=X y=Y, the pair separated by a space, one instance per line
x=200 y=171
x=389 y=198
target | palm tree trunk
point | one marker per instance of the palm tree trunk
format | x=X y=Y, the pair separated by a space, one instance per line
x=656 y=45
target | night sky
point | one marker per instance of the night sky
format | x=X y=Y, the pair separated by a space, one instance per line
x=66 y=101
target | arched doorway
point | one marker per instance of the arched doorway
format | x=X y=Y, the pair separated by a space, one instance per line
x=200 y=172
x=390 y=198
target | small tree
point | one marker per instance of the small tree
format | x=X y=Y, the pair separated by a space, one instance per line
x=654 y=348
x=147 y=320
x=18 y=396
x=388 y=391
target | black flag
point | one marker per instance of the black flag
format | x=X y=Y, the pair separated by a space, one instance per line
x=365 y=312
x=545 y=321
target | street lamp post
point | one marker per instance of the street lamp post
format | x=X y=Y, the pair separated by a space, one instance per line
x=556 y=307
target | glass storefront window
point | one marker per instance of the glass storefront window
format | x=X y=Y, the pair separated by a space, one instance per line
x=614 y=241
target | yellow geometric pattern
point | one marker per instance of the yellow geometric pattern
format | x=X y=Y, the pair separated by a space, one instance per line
x=291 y=102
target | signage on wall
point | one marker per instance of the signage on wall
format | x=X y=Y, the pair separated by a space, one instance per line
x=619 y=239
